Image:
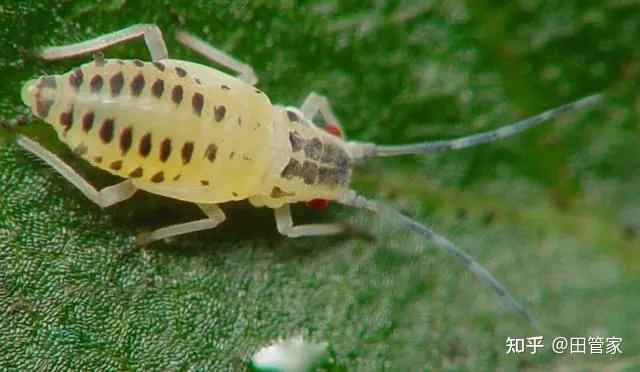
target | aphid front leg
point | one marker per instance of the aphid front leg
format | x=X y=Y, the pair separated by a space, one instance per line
x=314 y=104
x=152 y=37
x=286 y=228
x=215 y=216
x=106 y=197
x=218 y=56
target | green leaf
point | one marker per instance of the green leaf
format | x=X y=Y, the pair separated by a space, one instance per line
x=553 y=213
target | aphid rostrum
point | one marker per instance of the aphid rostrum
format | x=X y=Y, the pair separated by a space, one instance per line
x=193 y=133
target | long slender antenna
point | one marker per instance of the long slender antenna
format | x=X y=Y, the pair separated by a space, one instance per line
x=352 y=199
x=368 y=149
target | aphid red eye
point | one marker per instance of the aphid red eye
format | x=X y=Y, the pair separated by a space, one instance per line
x=333 y=129
x=317 y=203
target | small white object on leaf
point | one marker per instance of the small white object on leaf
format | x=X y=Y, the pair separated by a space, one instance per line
x=292 y=355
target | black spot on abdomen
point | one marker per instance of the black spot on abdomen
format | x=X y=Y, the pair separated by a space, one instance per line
x=116 y=165
x=165 y=149
x=157 y=88
x=197 y=101
x=125 y=139
x=176 y=94
x=159 y=66
x=219 y=112
x=106 y=130
x=75 y=79
x=87 y=121
x=66 y=119
x=187 y=151
x=144 y=147
x=136 y=173
x=96 y=83
x=115 y=83
x=137 y=84
x=158 y=177
x=181 y=72
x=211 y=152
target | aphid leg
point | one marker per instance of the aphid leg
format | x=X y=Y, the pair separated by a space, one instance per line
x=152 y=37
x=215 y=216
x=286 y=228
x=218 y=56
x=315 y=103
x=107 y=196
x=351 y=198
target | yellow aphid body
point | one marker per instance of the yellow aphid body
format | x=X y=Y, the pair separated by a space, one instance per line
x=189 y=132
x=193 y=133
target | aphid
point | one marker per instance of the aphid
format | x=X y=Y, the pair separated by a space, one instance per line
x=193 y=133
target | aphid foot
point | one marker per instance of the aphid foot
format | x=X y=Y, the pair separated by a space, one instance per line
x=142 y=239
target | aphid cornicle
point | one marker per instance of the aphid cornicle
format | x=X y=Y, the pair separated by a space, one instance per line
x=190 y=132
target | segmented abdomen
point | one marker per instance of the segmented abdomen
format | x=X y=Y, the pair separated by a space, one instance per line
x=150 y=121
x=109 y=113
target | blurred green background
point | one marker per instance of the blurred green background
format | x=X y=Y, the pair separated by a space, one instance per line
x=553 y=213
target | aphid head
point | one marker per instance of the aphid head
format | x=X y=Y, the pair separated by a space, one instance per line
x=314 y=164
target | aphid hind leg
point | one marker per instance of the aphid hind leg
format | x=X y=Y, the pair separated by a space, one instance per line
x=216 y=55
x=152 y=37
x=316 y=103
x=108 y=196
x=215 y=216
x=284 y=222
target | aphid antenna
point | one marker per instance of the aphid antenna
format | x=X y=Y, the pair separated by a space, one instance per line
x=361 y=150
x=351 y=198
